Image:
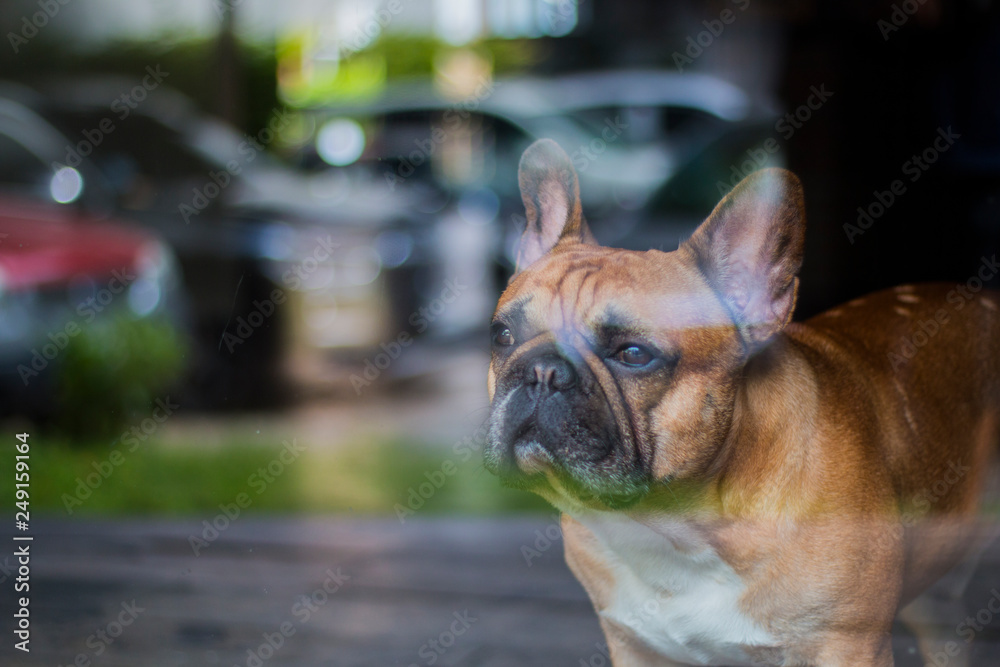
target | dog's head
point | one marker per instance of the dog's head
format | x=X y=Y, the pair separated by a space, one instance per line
x=613 y=370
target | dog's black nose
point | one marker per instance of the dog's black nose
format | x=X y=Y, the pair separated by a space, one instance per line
x=550 y=373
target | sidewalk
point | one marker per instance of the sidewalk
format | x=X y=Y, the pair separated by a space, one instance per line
x=431 y=592
x=456 y=591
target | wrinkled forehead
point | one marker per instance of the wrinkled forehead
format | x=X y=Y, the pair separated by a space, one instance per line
x=593 y=287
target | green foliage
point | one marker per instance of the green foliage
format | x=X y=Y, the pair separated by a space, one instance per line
x=193 y=479
x=193 y=66
x=410 y=56
x=112 y=372
x=515 y=56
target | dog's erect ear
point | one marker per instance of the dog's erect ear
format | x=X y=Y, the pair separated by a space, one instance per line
x=551 y=194
x=750 y=249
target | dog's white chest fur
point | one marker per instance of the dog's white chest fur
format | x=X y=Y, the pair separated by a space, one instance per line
x=682 y=604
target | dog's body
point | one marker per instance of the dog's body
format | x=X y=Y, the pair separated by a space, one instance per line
x=738 y=489
x=804 y=548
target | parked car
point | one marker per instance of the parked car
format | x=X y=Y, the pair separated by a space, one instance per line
x=245 y=229
x=633 y=137
x=672 y=213
x=62 y=274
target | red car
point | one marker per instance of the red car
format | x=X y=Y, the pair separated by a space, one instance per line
x=59 y=273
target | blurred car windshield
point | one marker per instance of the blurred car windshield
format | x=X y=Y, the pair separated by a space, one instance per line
x=476 y=149
x=140 y=144
x=641 y=125
x=21 y=169
x=694 y=189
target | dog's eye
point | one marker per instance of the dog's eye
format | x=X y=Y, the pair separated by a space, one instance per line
x=634 y=355
x=502 y=336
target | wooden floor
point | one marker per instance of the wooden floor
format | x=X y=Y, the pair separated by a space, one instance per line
x=430 y=592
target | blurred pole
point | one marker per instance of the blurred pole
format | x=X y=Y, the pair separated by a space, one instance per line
x=228 y=70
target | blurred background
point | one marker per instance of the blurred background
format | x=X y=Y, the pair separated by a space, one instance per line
x=249 y=251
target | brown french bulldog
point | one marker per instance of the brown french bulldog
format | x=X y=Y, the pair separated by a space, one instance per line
x=738 y=488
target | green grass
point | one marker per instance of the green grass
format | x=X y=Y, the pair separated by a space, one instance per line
x=155 y=479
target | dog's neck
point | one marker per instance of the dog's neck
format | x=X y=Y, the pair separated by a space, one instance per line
x=775 y=417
